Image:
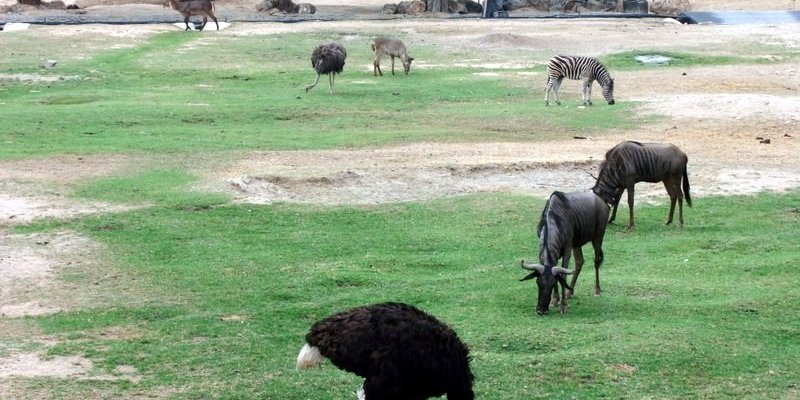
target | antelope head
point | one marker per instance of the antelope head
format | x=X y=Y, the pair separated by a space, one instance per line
x=546 y=279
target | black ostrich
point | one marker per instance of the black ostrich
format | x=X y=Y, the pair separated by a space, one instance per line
x=328 y=59
x=404 y=353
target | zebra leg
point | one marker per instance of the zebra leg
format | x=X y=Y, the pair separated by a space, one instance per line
x=587 y=92
x=578 y=253
x=558 y=86
x=311 y=86
x=547 y=89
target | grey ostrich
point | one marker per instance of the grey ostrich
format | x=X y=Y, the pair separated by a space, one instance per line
x=328 y=59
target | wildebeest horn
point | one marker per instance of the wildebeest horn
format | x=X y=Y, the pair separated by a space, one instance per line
x=533 y=267
x=560 y=270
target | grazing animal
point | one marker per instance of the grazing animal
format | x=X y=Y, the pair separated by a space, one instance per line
x=630 y=162
x=328 y=59
x=285 y=6
x=194 y=7
x=403 y=352
x=393 y=48
x=586 y=69
x=568 y=221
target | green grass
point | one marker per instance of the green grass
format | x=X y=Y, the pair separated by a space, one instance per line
x=703 y=311
x=626 y=60
x=157 y=98
x=161 y=187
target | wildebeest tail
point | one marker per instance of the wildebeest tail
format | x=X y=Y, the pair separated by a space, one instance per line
x=686 y=187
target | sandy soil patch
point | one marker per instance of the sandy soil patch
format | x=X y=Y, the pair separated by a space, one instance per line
x=29 y=267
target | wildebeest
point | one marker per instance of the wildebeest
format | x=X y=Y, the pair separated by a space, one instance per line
x=630 y=162
x=328 y=59
x=403 y=352
x=568 y=221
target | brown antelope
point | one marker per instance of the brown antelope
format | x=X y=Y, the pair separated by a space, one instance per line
x=194 y=7
x=393 y=48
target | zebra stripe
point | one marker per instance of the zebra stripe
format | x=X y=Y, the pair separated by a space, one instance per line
x=586 y=69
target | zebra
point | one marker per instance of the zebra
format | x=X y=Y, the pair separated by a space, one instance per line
x=630 y=162
x=587 y=69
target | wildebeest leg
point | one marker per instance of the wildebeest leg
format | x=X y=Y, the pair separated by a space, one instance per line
x=186 y=21
x=313 y=84
x=392 y=65
x=578 y=253
x=205 y=21
x=617 y=197
x=555 y=299
x=630 y=206
x=673 y=197
x=597 y=244
x=565 y=264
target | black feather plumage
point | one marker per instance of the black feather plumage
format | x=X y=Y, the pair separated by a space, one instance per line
x=403 y=352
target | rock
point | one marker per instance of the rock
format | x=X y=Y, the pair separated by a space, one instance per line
x=411 y=7
x=472 y=6
x=669 y=7
x=48 y=64
x=454 y=6
x=389 y=8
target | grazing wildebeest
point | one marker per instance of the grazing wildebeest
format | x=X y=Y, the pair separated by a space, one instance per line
x=630 y=162
x=328 y=59
x=568 y=221
x=403 y=352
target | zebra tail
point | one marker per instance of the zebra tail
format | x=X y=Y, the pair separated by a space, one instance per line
x=686 y=187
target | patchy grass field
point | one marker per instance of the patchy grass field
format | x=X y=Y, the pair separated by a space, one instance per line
x=685 y=312
x=178 y=291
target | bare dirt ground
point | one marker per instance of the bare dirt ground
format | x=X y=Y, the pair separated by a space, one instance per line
x=719 y=115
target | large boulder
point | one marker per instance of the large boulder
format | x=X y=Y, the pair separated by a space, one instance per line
x=411 y=7
x=669 y=7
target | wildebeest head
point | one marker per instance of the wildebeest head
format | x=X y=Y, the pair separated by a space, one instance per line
x=546 y=279
x=606 y=185
x=608 y=91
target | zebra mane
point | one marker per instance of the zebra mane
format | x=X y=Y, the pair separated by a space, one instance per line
x=603 y=77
